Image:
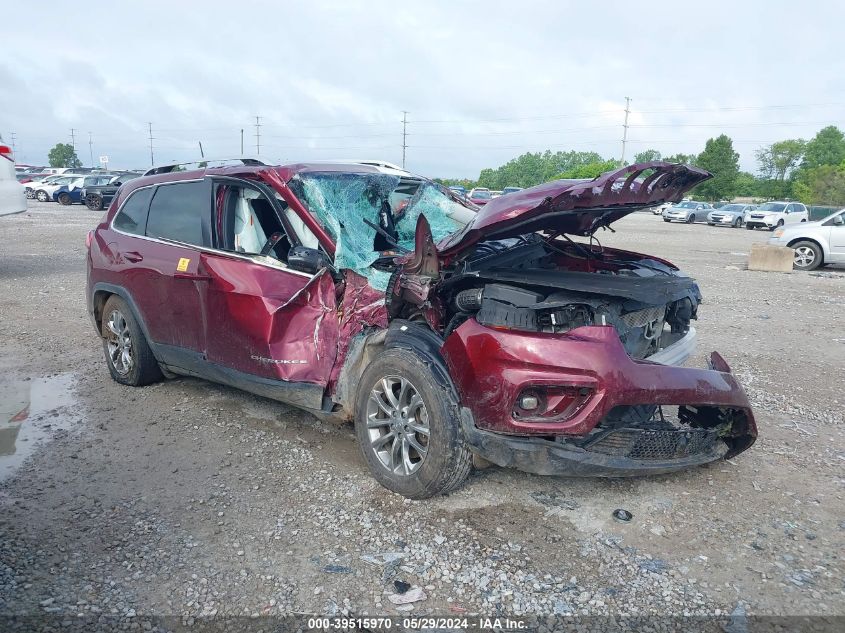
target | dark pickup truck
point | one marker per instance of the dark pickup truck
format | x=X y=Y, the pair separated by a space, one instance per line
x=98 y=197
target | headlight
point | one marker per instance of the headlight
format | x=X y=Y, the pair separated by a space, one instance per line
x=779 y=233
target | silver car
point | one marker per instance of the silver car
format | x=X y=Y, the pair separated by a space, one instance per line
x=729 y=215
x=687 y=211
x=815 y=243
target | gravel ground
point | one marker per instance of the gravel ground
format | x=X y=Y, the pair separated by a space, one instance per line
x=190 y=499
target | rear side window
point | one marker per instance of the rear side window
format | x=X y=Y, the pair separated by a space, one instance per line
x=177 y=211
x=133 y=214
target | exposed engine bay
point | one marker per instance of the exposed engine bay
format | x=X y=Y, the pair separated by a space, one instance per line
x=552 y=284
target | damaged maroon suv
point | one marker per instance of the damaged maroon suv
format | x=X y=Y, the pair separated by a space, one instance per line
x=363 y=292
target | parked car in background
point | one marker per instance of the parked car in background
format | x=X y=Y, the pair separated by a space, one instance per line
x=97 y=197
x=815 y=243
x=480 y=196
x=460 y=190
x=44 y=179
x=660 y=208
x=687 y=211
x=772 y=215
x=74 y=193
x=43 y=192
x=508 y=190
x=583 y=344
x=495 y=193
x=732 y=215
x=12 y=193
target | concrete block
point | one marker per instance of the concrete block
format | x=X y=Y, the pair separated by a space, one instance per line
x=773 y=259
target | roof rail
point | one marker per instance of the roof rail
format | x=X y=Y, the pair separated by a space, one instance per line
x=166 y=169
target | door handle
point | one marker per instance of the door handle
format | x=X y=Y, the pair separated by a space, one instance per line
x=133 y=256
x=192 y=277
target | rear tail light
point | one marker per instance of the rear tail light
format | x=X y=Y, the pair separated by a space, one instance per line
x=89 y=238
x=6 y=152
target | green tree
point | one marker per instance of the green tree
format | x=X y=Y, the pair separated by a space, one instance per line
x=590 y=170
x=63 y=155
x=825 y=148
x=646 y=156
x=684 y=159
x=720 y=159
x=824 y=185
x=747 y=185
x=777 y=164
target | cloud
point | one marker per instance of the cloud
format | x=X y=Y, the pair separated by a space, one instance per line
x=483 y=81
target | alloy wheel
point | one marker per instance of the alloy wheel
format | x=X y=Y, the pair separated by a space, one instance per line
x=397 y=425
x=804 y=256
x=119 y=342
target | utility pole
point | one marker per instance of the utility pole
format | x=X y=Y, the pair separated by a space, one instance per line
x=257 y=135
x=73 y=138
x=14 y=147
x=152 y=160
x=242 y=141
x=91 y=149
x=625 y=127
x=202 y=154
x=404 y=136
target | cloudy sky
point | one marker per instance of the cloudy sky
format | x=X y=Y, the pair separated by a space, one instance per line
x=482 y=81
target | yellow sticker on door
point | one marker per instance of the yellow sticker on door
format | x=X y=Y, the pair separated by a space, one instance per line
x=182 y=266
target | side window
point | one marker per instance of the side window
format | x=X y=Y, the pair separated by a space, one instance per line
x=132 y=217
x=790 y=208
x=176 y=212
x=246 y=219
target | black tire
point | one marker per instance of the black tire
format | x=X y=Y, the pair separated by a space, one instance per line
x=807 y=247
x=143 y=368
x=750 y=227
x=711 y=224
x=691 y=218
x=776 y=226
x=448 y=461
x=64 y=199
x=95 y=203
x=737 y=223
x=665 y=220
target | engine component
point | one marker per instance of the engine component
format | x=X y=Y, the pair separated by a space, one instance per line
x=510 y=307
x=469 y=300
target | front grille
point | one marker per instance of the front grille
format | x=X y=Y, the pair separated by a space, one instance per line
x=643 y=317
x=652 y=444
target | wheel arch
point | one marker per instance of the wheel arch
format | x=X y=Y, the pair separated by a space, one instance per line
x=100 y=295
x=792 y=244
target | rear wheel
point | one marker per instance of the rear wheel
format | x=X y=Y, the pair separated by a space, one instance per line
x=64 y=199
x=808 y=256
x=408 y=426
x=128 y=355
x=41 y=196
x=691 y=218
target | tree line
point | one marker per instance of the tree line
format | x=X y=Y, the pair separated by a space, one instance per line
x=812 y=171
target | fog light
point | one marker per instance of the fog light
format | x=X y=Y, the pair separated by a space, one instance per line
x=529 y=402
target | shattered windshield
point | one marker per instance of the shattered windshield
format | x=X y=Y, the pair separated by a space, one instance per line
x=342 y=202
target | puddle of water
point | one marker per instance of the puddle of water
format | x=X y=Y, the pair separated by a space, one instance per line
x=30 y=411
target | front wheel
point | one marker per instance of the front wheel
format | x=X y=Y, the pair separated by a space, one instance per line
x=665 y=220
x=408 y=426
x=691 y=218
x=776 y=226
x=750 y=227
x=808 y=256
x=95 y=203
x=41 y=196
x=737 y=223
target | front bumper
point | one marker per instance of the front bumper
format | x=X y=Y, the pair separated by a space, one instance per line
x=492 y=368
x=761 y=222
x=546 y=457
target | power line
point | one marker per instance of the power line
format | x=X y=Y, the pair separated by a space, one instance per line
x=404 y=135
x=625 y=127
x=152 y=159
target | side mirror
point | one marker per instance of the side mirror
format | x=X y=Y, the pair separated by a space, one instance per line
x=307 y=260
x=838 y=221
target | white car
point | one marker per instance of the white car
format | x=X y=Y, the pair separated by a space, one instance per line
x=32 y=186
x=43 y=192
x=815 y=243
x=12 y=196
x=772 y=215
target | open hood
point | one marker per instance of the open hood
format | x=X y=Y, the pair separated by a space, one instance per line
x=576 y=207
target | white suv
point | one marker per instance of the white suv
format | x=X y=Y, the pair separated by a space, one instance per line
x=12 y=197
x=772 y=215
